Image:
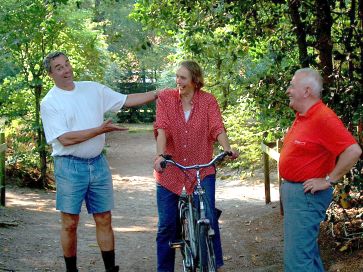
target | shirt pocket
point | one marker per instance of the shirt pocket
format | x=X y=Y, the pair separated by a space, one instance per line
x=303 y=147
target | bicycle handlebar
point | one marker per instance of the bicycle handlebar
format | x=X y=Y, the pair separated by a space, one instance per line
x=219 y=157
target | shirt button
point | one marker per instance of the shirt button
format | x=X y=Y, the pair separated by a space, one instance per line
x=186 y=131
x=185 y=159
x=185 y=146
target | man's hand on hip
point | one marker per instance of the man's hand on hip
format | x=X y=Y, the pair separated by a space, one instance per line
x=315 y=184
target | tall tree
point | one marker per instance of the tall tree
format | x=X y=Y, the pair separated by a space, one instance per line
x=324 y=41
x=299 y=29
x=29 y=29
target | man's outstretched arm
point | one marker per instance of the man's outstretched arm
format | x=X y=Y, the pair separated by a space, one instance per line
x=76 y=137
x=138 y=99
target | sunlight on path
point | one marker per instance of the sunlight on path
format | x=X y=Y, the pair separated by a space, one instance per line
x=31 y=200
x=239 y=190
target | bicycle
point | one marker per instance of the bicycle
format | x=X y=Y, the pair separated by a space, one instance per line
x=196 y=232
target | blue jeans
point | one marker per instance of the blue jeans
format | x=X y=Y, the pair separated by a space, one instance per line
x=79 y=179
x=303 y=213
x=168 y=214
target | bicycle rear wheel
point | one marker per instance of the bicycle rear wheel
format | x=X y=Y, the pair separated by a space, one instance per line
x=207 y=259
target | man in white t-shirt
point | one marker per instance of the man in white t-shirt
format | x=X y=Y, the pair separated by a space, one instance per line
x=73 y=120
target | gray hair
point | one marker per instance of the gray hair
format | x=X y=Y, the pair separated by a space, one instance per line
x=313 y=79
x=51 y=56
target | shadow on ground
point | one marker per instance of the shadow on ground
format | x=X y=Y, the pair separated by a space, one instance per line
x=251 y=231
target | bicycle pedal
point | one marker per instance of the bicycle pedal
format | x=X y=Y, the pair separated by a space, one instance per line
x=177 y=244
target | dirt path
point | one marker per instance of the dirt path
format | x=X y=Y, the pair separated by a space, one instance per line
x=251 y=231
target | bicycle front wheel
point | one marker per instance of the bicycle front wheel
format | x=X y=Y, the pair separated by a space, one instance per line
x=207 y=259
x=188 y=238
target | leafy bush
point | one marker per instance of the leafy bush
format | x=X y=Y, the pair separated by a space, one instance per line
x=22 y=155
x=243 y=128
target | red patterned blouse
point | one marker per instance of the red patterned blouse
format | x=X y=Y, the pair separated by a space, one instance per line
x=188 y=142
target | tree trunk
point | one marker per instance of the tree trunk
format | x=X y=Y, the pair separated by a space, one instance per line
x=348 y=42
x=40 y=138
x=360 y=12
x=219 y=80
x=299 y=29
x=98 y=16
x=324 y=42
x=226 y=91
x=360 y=125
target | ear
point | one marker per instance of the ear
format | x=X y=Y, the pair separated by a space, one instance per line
x=308 y=91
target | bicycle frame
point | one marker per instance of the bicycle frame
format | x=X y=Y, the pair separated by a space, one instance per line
x=196 y=220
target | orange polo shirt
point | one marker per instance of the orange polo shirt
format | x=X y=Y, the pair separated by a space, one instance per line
x=188 y=142
x=312 y=144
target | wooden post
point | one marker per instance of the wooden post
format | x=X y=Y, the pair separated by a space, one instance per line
x=267 y=152
x=2 y=168
x=266 y=168
x=278 y=148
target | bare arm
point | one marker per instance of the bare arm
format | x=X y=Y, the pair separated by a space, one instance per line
x=160 y=149
x=345 y=162
x=224 y=142
x=140 y=98
x=76 y=137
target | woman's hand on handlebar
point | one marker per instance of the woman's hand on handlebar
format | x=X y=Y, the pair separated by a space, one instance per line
x=234 y=154
x=157 y=165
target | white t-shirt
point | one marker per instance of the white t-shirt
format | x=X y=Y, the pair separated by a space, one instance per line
x=82 y=108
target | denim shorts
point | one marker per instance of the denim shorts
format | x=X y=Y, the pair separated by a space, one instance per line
x=80 y=179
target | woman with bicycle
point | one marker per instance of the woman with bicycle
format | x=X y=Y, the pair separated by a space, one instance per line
x=188 y=123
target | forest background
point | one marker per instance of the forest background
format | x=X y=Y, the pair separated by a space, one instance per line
x=248 y=49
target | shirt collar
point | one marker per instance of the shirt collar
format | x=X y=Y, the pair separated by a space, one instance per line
x=195 y=96
x=310 y=111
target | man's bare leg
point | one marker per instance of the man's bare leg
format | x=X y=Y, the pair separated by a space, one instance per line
x=105 y=239
x=69 y=240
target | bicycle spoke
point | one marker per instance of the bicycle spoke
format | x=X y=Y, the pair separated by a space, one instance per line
x=206 y=253
x=188 y=236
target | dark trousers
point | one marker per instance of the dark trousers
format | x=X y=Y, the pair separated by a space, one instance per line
x=168 y=224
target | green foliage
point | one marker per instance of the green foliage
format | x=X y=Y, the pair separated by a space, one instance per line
x=243 y=128
x=30 y=30
x=248 y=50
x=14 y=98
x=23 y=145
x=134 y=50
